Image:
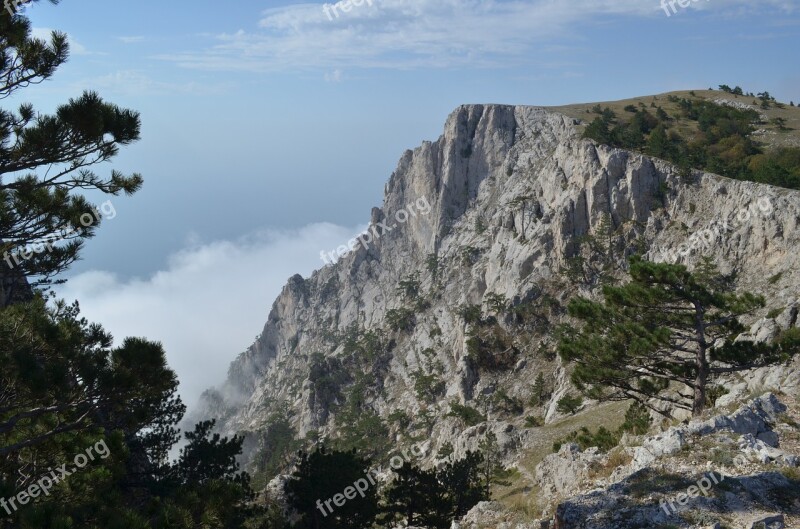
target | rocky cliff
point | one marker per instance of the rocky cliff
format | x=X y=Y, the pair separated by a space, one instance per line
x=454 y=298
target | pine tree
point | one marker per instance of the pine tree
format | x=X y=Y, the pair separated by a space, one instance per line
x=492 y=470
x=416 y=497
x=667 y=325
x=598 y=130
x=323 y=475
x=569 y=403
x=46 y=160
x=538 y=392
x=463 y=485
x=658 y=143
x=63 y=386
x=61 y=376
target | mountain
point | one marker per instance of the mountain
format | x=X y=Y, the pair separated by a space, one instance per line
x=436 y=329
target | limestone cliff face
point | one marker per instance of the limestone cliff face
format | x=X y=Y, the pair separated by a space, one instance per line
x=511 y=190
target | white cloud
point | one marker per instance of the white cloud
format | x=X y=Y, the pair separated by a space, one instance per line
x=335 y=76
x=419 y=33
x=131 y=40
x=209 y=303
x=134 y=82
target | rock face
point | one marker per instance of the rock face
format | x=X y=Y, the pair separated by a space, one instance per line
x=711 y=472
x=566 y=471
x=499 y=204
x=753 y=422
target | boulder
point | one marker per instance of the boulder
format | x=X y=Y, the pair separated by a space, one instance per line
x=772 y=521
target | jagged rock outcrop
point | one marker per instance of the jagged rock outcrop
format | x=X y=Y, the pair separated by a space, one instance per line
x=500 y=202
x=566 y=471
x=714 y=471
x=532 y=186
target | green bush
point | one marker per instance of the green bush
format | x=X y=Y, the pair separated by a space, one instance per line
x=470 y=255
x=788 y=342
x=774 y=313
x=445 y=451
x=427 y=386
x=569 y=404
x=539 y=393
x=466 y=414
x=401 y=319
x=637 y=419
x=774 y=279
x=603 y=439
x=491 y=349
x=432 y=264
x=400 y=419
x=532 y=421
x=713 y=393
x=409 y=286
x=506 y=403
x=471 y=314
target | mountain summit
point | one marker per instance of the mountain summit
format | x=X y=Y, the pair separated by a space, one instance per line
x=442 y=328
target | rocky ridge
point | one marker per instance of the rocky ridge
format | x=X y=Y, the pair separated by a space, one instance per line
x=511 y=192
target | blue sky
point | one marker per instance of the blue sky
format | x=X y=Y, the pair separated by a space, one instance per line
x=269 y=130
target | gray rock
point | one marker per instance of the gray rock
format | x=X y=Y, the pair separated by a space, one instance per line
x=788 y=318
x=769 y=438
x=761 y=451
x=753 y=418
x=774 y=521
x=566 y=471
x=670 y=442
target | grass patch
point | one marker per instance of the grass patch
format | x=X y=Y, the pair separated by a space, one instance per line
x=774 y=313
x=618 y=457
x=647 y=481
x=610 y=415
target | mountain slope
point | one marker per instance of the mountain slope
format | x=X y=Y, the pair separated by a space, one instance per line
x=374 y=349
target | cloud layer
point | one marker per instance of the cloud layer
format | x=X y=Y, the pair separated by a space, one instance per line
x=209 y=303
x=421 y=33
